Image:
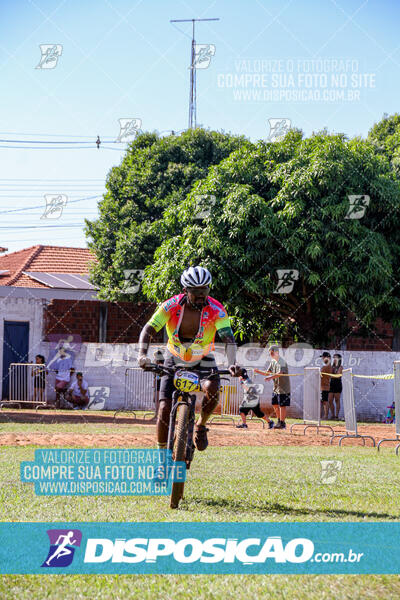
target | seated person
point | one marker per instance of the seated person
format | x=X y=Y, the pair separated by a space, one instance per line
x=78 y=393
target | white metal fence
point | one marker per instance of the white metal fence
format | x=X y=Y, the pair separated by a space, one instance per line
x=140 y=390
x=312 y=402
x=28 y=383
x=348 y=402
x=396 y=386
x=312 y=396
x=350 y=416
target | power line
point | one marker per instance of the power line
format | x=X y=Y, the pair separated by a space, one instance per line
x=54 y=135
x=41 y=206
x=42 y=142
x=47 y=147
x=45 y=179
x=42 y=226
x=36 y=192
x=67 y=148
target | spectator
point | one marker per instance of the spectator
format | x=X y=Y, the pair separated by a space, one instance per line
x=335 y=388
x=78 y=394
x=325 y=382
x=39 y=382
x=251 y=401
x=391 y=413
x=281 y=386
x=63 y=368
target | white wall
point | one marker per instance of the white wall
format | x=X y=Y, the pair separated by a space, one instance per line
x=22 y=309
x=104 y=365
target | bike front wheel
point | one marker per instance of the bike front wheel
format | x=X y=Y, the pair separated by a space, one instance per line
x=179 y=451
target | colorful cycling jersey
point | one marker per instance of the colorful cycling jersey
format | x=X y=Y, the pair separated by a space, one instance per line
x=213 y=317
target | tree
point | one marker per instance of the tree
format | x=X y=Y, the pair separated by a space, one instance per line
x=286 y=206
x=155 y=174
x=385 y=135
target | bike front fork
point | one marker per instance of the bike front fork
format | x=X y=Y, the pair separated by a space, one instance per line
x=177 y=399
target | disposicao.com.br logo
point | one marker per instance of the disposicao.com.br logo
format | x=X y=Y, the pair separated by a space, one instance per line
x=176 y=554
x=190 y=550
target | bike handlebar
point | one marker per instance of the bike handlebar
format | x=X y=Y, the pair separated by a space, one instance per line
x=162 y=370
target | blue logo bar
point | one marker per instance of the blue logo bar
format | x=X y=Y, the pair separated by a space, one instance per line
x=164 y=547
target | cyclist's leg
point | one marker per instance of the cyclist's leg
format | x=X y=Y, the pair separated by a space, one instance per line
x=210 y=388
x=164 y=405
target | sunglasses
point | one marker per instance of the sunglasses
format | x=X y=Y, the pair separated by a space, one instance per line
x=194 y=290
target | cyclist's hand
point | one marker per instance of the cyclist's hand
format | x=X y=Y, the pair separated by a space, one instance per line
x=143 y=361
x=236 y=371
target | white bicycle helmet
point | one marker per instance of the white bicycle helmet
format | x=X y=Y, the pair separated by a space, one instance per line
x=196 y=277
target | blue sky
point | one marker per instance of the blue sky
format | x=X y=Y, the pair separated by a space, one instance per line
x=123 y=59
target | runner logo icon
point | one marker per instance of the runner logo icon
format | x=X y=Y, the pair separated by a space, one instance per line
x=63 y=543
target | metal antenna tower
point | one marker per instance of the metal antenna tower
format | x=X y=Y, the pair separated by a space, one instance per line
x=192 y=95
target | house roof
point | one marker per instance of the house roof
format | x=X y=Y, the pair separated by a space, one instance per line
x=43 y=259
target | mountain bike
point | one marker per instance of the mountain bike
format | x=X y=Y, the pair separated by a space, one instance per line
x=182 y=416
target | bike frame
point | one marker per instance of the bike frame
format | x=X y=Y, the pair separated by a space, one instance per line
x=179 y=398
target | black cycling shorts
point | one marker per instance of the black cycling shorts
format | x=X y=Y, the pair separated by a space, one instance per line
x=324 y=395
x=281 y=399
x=205 y=365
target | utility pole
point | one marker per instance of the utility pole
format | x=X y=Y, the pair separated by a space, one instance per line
x=192 y=94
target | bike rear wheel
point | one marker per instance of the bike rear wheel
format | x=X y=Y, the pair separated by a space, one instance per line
x=179 y=451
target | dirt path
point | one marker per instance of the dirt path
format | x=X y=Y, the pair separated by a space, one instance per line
x=219 y=435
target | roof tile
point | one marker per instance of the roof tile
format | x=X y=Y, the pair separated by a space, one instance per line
x=46 y=259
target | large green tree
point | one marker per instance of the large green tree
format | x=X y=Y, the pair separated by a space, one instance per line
x=266 y=207
x=286 y=206
x=385 y=135
x=155 y=174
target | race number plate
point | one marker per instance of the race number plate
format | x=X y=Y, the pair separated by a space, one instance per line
x=186 y=381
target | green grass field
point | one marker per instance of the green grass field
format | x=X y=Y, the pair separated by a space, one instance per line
x=224 y=484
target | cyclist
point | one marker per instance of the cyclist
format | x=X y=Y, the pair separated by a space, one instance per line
x=192 y=319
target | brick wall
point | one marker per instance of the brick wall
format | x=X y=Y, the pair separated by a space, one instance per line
x=380 y=336
x=124 y=321
x=72 y=316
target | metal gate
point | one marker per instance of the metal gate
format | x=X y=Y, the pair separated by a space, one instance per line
x=230 y=395
x=312 y=402
x=350 y=411
x=396 y=378
x=140 y=390
x=28 y=383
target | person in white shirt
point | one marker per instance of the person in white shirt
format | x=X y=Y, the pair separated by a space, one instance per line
x=62 y=364
x=78 y=392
